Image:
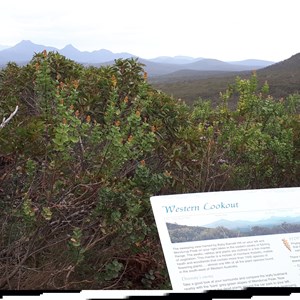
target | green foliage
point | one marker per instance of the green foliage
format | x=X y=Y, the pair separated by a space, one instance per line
x=81 y=169
x=112 y=270
x=264 y=139
x=75 y=246
x=252 y=146
x=148 y=279
x=89 y=147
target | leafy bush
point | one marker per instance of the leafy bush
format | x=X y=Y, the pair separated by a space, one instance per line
x=80 y=182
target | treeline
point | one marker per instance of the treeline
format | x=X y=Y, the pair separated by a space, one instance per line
x=89 y=146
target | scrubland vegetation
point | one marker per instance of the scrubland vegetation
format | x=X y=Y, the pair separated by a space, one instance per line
x=89 y=146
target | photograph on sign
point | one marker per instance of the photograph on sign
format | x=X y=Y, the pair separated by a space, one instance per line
x=224 y=228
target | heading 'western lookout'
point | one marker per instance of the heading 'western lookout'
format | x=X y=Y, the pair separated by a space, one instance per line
x=207 y=206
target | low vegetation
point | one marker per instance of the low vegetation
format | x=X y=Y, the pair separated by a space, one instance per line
x=88 y=147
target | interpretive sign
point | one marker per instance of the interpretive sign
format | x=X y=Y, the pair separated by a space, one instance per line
x=230 y=240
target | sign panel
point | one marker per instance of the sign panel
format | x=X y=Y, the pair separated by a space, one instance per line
x=230 y=240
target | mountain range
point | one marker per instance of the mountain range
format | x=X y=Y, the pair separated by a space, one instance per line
x=22 y=53
x=189 y=85
x=247 y=225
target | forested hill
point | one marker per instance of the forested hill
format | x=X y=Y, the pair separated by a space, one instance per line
x=283 y=79
x=290 y=65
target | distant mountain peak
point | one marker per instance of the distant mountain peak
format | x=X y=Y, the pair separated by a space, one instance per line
x=69 y=50
x=104 y=51
x=27 y=43
x=69 y=46
x=24 y=42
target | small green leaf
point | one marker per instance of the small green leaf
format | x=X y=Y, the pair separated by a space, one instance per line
x=74 y=139
x=47 y=213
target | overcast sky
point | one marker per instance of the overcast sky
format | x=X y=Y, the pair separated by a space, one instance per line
x=222 y=29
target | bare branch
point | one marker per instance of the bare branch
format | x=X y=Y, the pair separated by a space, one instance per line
x=5 y=121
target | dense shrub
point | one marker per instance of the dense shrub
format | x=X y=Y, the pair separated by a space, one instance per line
x=89 y=146
x=79 y=182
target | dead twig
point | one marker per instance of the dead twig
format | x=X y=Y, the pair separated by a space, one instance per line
x=5 y=121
